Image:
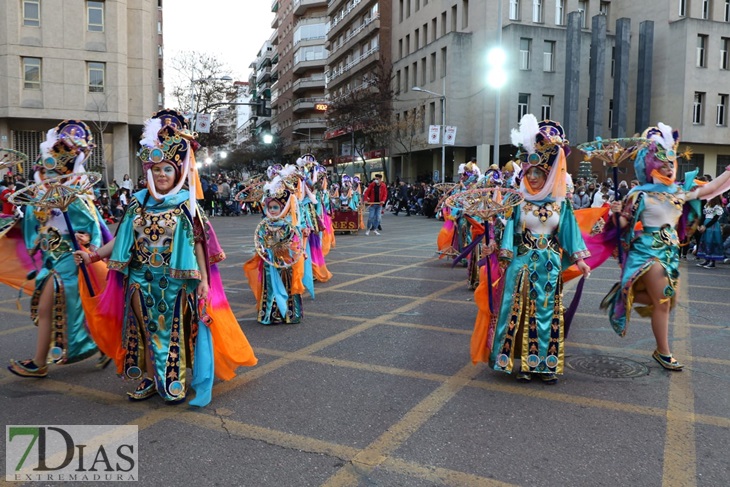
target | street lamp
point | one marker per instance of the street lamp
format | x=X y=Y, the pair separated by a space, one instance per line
x=497 y=77
x=209 y=160
x=442 y=130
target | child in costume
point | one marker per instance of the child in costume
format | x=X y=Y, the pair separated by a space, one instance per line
x=650 y=271
x=56 y=307
x=275 y=273
x=165 y=297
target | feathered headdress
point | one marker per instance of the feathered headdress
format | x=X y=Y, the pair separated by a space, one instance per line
x=662 y=149
x=66 y=148
x=542 y=145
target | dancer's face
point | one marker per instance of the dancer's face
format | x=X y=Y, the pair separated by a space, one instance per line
x=273 y=208
x=163 y=175
x=536 y=177
x=667 y=170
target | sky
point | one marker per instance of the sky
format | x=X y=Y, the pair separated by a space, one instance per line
x=233 y=30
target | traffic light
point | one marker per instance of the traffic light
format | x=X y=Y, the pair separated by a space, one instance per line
x=262 y=108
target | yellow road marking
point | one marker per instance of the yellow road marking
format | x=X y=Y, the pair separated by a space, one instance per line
x=680 y=450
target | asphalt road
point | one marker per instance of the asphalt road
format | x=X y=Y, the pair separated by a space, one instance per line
x=375 y=387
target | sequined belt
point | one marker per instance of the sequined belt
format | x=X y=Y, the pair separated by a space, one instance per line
x=664 y=235
x=528 y=241
x=55 y=246
x=153 y=257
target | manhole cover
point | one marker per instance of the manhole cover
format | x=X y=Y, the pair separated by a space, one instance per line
x=606 y=366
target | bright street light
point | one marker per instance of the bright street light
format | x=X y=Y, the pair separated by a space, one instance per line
x=268 y=138
x=442 y=131
x=223 y=154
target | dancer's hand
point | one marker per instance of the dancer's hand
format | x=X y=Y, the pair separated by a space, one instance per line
x=491 y=247
x=203 y=291
x=83 y=238
x=584 y=268
x=82 y=257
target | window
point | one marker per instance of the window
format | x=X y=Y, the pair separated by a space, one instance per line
x=95 y=16
x=423 y=71
x=415 y=74
x=406 y=78
x=31 y=73
x=613 y=59
x=97 y=75
x=559 y=12
x=583 y=9
x=547 y=107
x=603 y=8
x=400 y=48
x=525 y=53
x=537 y=11
x=721 y=116
x=514 y=9
x=433 y=66
x=443 y=23
x=701 y=48
x=433 y=29
x=418 y=5
x=523 y=105
x=159 y=51
x=32 y=13
x=705 y=9
x=400 y=11
x=726 y=12
x=697 y=108
x=610 y=114
x=159 y=27
x=408 y=44
x=464 y=14
x=453 y=19
x=425 y=34
x=682 y=8
x=432 y=113
x=416 y=40
x=443 y=62
x=397 y=82
x=548 y=56
x=408 y=8
x=696 y=162
x=724 y=45
x=423 y=119
x=723 y=160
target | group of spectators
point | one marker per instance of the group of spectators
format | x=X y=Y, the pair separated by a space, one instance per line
x=413 y=199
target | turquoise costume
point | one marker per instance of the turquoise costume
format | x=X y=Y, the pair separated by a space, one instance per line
x=47 y=230
x=155 y=250
x=539 y=241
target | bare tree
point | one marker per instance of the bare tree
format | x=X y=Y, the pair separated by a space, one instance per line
x=197 y=81
x=407 y=132
x=362 y=111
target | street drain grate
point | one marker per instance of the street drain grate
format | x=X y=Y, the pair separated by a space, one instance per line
x=607 y=366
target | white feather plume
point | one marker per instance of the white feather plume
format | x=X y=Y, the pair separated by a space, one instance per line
x=525 y=136
x=667 y=136
x=273 y=185
x=51 y=139
x=288 y=170
x=152 y=127
x=301 y=161
x=461 y=168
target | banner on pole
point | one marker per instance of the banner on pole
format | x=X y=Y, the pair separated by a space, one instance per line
x=434 y=134
x=450 y=135
x=202 y=123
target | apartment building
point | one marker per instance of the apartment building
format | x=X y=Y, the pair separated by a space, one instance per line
x=297 y=89
x=79 y=59
x=358 y=42
x=442 y=47
x=260 y=81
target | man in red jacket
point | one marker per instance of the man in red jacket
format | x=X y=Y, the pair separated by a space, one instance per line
x=375 y=196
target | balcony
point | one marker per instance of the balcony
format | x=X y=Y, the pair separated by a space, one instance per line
x=308 y=83
x=371 y=24
x=301 y=6
x=302 y=66
x=275 y=6
x=352 y=65
x=263 y=75
x=309 y=123
x=306 y=104
x=337 y=21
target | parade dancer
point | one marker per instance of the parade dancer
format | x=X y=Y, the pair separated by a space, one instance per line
x=540 y=239
x=275 y=273
x=56 y=307
x=650 y=271
x=165 y=299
